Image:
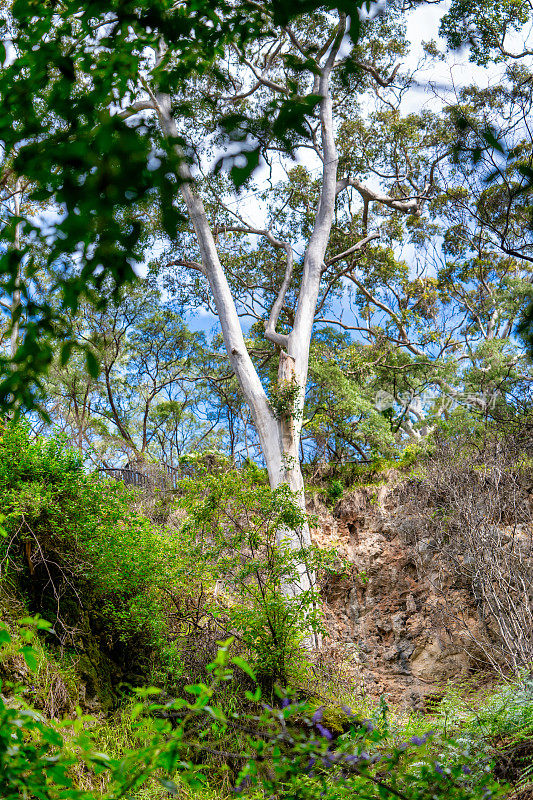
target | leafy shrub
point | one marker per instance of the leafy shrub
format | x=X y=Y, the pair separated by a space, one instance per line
x=77 y=549
x=335 y=490
x=498 y=728
x=287 y=752
x=76 y=541
x=290 y=753
x=233 y=537
x=35 y=759
x=50 y=684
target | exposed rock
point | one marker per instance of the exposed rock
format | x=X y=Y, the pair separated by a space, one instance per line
x=386 y=604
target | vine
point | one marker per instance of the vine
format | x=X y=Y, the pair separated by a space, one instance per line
x=284 y=397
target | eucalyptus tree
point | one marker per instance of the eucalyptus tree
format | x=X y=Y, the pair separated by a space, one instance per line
x=16 y=303
x=63 y=68
x=284 y=271
x=91 y=77
x=437 y=299
x=147 y=401
x=500 y=33
x=130 y=105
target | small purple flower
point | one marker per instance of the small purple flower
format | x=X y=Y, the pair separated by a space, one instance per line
x=324 y=731
x=466 y=770
x=244 y=783
x=317 y=716
x=285 y=702
x=348 y=711
x=352 y=759
x=310 y=765
x=368 y=725
x=418 y=740
x=439 y=769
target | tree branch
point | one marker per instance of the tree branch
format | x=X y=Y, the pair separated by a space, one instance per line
x=371 y=70
x=240 y=360
x=270 y=329
x=140 y=105
x=408 y=205
x=300 y=337
x=358 y=246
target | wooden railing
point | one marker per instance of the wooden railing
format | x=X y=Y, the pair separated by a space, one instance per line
x=167 y=478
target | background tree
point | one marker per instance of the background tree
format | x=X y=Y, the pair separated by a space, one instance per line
x=148 y=400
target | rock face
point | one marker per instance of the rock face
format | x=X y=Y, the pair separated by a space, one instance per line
x=391 y=614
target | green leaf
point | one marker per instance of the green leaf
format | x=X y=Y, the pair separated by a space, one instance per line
x=490 y=137
x=30 y=656
x=170 y=786
x=242 y=664
x=66 y=351
x=4 y=636
x=240 y=174
x=93 y=367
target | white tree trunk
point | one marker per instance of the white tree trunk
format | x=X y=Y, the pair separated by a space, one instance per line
x=279 y=435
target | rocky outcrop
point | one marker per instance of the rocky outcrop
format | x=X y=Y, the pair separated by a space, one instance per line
x=392 y=617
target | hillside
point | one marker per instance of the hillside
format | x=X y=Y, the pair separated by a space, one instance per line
x=402 y=626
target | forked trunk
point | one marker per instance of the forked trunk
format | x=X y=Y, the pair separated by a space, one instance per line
x=278 y=431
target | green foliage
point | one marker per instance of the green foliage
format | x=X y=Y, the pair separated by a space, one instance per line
x=288 y=751
x=284 y=398
x=69 y=536
x=483 y=26
x=334 y=490
x=493 y=726
x=146 y=400
x=341 y=410
x=60 y=93
x=50 y=684
x=233 y=541
x=35 y=759
x=504 y=722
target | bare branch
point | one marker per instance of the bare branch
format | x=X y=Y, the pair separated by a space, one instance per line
x=140 y=105
x=262 y=79
x=409 y=205
x=270 y=330
x=370 y=69
x=354 y=249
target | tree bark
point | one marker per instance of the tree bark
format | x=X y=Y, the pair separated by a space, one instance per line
x=279 y=433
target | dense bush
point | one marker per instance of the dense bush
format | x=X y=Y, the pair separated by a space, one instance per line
x=233 y=538
x=35 y=759
x=77 y=550
x=70 y=540
x=286 y=751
